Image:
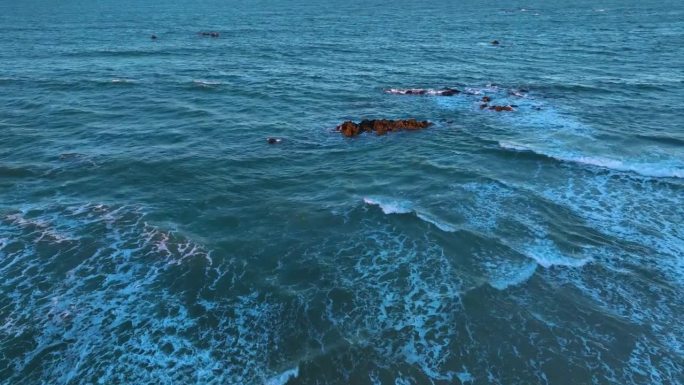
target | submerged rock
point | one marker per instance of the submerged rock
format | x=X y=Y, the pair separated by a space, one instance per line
x=501 y=108
x=380 y=126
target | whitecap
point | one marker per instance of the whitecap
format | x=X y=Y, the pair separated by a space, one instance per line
x=390 y=206
x=396 y=206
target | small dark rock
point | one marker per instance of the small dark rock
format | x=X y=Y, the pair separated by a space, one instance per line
x=486 y=99
x=495 y=42
x=449 y=92
x=153 y=37
x=501 y=108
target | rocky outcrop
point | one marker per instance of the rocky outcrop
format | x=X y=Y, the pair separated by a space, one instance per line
x=423 y=91
x=380 y=126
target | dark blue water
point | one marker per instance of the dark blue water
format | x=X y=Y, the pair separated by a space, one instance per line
x=150 y=235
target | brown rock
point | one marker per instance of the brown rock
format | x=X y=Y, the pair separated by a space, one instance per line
x=380 y=126
x=486 y=99
x=349 y=129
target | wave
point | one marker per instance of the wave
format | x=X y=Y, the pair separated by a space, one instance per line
x=15 y=172
x=547 y=255
x=505 y=278
x=122 y=81
x=662 y=139
x=393 y=206
x=644 y=169
x=201 y=83
x=118 y=53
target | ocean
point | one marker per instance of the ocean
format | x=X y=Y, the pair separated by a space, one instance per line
x=150 y=234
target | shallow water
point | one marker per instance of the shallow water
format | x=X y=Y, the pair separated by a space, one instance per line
x=149 y=234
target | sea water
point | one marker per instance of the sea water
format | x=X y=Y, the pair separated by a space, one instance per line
x=149 y=234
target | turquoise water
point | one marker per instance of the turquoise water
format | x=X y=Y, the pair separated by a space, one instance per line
x=150 y=235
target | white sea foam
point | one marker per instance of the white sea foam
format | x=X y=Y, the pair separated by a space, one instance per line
x=465 y=376
x=396 y=283
x=664 y=170
x=284 y=377
x=111 y=302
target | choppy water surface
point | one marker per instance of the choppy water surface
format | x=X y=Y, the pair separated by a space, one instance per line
x=150 y=235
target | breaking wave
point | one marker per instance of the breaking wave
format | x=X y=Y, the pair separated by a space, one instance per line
x=644 y=169
x=391 y=206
